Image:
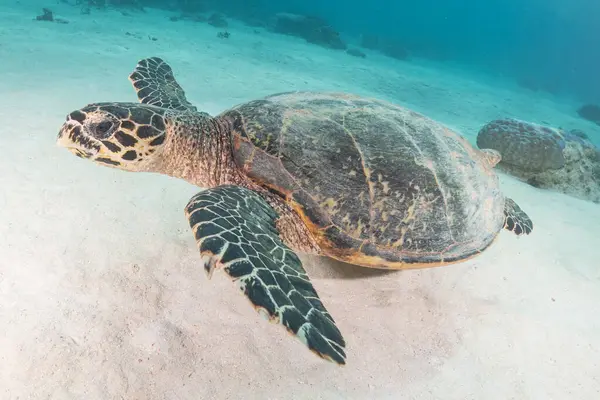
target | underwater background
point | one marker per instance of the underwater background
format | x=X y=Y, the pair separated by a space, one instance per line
x=548 y=45
x=102 y=291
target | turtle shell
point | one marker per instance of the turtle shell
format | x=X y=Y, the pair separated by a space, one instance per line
x=377 y=185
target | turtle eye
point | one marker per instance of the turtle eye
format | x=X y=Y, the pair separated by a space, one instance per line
x=104 y=129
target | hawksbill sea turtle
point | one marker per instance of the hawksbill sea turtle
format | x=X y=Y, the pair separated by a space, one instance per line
x=333 y=174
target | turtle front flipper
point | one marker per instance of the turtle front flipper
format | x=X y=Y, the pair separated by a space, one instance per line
x=515 y=219
x=155 y=84
x=235 y=230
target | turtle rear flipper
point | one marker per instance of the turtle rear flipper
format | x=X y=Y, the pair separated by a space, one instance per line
x=235 y=230
x=515 y=219
x=155 y=84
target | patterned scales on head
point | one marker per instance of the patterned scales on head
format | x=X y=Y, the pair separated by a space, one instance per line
x=134 y=132
x=356 y=179
x=377 y=184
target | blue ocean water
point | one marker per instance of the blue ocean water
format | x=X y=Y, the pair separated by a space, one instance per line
x=550 y=44
x=102 y=292
x=545 y=45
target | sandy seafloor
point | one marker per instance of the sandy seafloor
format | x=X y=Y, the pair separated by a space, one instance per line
x=101 y=294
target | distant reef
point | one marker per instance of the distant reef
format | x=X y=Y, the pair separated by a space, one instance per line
x=48 y=15
x=104 y=3
x=312 y=29
x=591 y=112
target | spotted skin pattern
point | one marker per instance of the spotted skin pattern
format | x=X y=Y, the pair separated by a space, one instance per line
x=516 y=220
x=155 y=84
x=235 y=231
x=121 y=135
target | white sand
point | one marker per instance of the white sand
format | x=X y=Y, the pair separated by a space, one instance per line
x=101 y=294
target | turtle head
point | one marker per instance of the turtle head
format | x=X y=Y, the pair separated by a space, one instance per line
x=128 y=136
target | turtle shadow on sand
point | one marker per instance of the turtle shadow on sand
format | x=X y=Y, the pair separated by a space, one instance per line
x=329 y=268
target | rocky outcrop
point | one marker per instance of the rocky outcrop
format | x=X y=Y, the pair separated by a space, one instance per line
x=545 y=157
x=591 y=112
x=356 y=53
x=312 y=29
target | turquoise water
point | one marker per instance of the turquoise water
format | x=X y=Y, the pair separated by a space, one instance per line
x=549 y=44
x=102 y=291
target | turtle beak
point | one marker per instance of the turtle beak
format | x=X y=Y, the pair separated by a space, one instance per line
x=72 y=137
